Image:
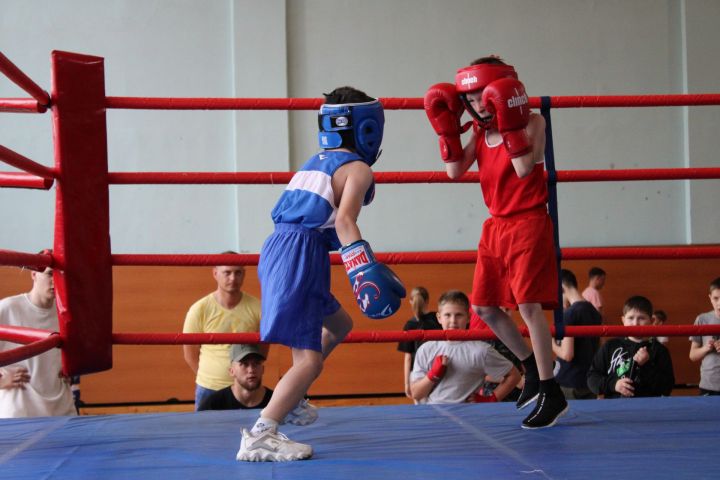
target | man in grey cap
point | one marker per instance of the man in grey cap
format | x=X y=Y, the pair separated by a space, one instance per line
x=247 y=366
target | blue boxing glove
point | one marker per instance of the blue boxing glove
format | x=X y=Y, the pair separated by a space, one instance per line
x=377 y=289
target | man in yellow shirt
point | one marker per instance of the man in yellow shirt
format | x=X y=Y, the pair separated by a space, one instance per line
x=226 y=310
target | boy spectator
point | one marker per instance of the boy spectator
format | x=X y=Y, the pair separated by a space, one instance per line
x=247 y=391
x=706 y=348
x=596 y=281
x=632 y=366
x=660 y=318
x=575 y=355
x=452 y=371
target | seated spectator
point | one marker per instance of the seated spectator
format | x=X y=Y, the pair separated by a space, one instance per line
x=421 y=320
x=574 y=355
x=632 y=366
x=247 y=391
x=453 y=371
x=596 y=281
x=706 y=348
x=660 y=318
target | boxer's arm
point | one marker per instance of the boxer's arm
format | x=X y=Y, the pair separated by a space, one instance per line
x=350 y=183
x=455 y=170
x=525 y=164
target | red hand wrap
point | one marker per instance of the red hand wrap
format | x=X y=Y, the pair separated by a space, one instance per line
x=437 y=370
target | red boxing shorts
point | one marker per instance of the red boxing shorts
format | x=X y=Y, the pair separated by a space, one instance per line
x=516 y=262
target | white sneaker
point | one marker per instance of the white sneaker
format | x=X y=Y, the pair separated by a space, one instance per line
x=304 y=414
x=270 y=446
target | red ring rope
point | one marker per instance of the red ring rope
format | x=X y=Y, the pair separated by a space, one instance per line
x=23 y=163
x=276 y=178
x=416 y=335
x=24 y=180
x=582 y=101
x=23 y=81
x=449 y=257
x=21 y=105
x=15 y=355
x=36 y=261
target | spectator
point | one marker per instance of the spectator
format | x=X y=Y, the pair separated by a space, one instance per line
x=706 y=348
x=247 y=391
x=421 y=320
x=453 y=371
x=34 y=387
x=226 y=310
x=574 y=355
x=632 y=366
x=660 y=318
x=596 y=281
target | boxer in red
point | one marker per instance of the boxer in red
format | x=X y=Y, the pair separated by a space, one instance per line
x=516 y=255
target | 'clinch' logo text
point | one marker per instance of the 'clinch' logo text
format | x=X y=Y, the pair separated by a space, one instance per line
x=518 y=101
x=468 y=80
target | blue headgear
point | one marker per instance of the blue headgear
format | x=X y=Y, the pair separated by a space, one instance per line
x=358 y=126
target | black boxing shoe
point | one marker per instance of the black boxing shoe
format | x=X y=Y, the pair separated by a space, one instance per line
x=550 y=407
x=531 y=387
x=530 y=392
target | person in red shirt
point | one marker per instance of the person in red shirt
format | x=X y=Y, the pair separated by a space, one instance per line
x=516 y=265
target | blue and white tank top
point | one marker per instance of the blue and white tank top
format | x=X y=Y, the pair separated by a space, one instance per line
x=308 y=200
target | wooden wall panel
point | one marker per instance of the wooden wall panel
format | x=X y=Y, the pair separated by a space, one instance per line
x=152 y=299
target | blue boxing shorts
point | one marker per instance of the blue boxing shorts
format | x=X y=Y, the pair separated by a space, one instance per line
x=294 y=272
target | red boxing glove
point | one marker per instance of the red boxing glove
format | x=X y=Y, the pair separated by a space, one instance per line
x=437 y=370
x=444 y=109
x=507 y=100
x=477 y=397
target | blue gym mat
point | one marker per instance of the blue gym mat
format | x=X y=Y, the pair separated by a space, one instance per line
x=676 y=437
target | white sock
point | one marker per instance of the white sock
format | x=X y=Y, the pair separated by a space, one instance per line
x=264 y=424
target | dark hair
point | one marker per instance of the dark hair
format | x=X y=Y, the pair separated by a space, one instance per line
x=231 y=252
x=596 y=272
x=639 y=303
x=490 y=59
x=454 y=296
x=660 y=315
x=715 y=284
x=419 y=306
x=568 y=279
x=346 y=95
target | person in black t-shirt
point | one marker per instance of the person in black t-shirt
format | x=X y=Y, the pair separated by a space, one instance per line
x=575 y=355
x=247 y=366
x=632 y=366
x=422 y=320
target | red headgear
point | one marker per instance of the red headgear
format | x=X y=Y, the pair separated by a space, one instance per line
x=477 y=77
x=474 y=78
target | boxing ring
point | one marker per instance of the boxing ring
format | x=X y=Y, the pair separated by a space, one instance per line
x=661 y=437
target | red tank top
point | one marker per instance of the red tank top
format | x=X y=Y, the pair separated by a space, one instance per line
x=504 y=192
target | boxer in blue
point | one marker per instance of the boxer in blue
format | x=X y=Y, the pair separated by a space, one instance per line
x=317 y=213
